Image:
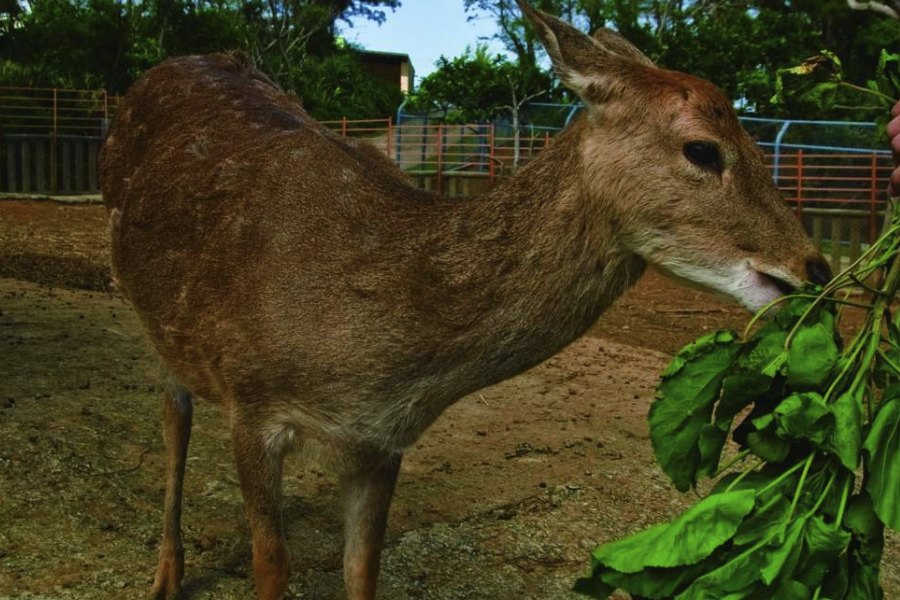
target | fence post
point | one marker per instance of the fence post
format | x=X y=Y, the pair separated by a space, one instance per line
x=344 y=127
x=390 y=135
x=491 y=156
x=800 y=183
x=440 y=164
x=1 y=133
x=873 y=212
x=105 y=126
x=54 y=180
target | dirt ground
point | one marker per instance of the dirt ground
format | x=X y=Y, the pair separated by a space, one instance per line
x=503 y=498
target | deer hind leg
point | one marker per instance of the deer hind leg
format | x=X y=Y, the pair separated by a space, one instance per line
x=260 y=459
x=177 y=414
x=367 y=498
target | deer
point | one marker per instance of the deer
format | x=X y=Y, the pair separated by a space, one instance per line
x=301 y=281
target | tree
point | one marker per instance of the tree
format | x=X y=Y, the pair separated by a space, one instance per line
x=478 y=87
x=109 y=43
x=738 y=44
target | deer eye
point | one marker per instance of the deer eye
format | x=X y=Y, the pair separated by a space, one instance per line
x=703 y=155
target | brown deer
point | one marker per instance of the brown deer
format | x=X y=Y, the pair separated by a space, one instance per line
x=300 y=280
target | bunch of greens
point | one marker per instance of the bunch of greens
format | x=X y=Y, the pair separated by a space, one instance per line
x=799 y=512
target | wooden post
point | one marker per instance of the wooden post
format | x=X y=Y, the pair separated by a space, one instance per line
x=40 y=165
x=54 y=150
x=390 y=137
x=491 y=157
x=93 y=151
x=800 y=184
x=440 y=158
x=344 y=127
x=25 y=149
x=855 y=238
x=1 y=136
x=80 y=167
x=836 y=231
x=66 y=147
x=11 y=166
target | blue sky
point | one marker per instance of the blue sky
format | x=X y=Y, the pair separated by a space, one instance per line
x=424 y=29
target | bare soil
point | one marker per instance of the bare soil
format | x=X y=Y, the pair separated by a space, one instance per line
x=503 y=498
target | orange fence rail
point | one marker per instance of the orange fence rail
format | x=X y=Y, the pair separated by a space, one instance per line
x=50 y=138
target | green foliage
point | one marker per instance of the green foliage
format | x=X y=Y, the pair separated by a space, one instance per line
x=748 y=38
x=819 y=86
x=789 y=523
x=91 y=44
x=335 y=86
x=476 y=86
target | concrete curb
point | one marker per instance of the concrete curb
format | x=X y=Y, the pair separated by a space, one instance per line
x=80 y=199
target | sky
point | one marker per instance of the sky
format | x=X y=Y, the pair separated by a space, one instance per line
x=424 y=29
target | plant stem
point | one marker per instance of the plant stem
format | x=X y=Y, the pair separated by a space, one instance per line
x=824 y=492
x=887 y=360
x=806 y=467
x=738 y=458
x=859 y=88
x=840 y=516
x=877 y=315
x=740 y=477
x=781 y=478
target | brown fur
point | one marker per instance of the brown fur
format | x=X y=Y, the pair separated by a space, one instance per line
x=299 y=279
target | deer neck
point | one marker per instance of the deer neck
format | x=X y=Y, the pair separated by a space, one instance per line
x=536 y=261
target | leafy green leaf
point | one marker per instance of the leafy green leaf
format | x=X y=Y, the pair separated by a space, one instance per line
x=738 y=392
x=822 y=544
x=837 y=579
x=812 y=85
x=708 y=343
x=711 y=441
x=688 y=539
x=882 y=447
x=765 y=352
x=784 y=556
x=887 y=75
x=593 y=587
x=866 y=549
x=768 y=518
x=763 y=562
x=767 y=444
x=846 y=437
x=811 y=357
x=805 y=417
x=655 y=583
x=684 y=404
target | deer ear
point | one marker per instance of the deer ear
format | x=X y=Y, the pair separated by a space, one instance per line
x=615 y=43
x=589 y=66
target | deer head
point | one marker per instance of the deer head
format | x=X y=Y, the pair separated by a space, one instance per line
x=669 y=163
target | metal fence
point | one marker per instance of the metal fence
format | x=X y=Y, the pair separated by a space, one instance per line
x=833 y=174
x=50 y=138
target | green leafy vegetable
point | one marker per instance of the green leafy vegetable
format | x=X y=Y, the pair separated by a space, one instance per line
x=689 y=388
x=787 y=522
x=883 y=450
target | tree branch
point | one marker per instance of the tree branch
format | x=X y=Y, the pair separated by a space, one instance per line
x=878 y=7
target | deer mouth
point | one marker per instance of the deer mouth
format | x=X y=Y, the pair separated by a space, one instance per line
x=785 y=287
x=759 y=289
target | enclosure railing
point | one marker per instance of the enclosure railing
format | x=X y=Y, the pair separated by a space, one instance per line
x=50 y=138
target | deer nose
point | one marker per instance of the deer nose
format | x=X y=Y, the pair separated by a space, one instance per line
x=819 y=271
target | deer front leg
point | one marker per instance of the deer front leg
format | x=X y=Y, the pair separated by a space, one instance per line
x=259 y=465
x=177 y=413
x=367 y=498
